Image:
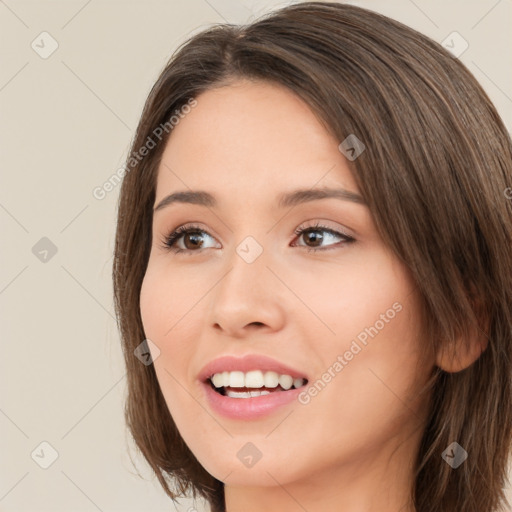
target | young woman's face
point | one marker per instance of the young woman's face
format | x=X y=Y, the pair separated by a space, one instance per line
x=253 y=301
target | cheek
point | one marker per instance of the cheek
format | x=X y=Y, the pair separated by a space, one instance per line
x=167 y=316
x=161 y=309
x=367 y=362
x=154 y=304
x=348 y=297
x=164 y=301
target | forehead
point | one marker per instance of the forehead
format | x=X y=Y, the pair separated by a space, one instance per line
x=251 y=133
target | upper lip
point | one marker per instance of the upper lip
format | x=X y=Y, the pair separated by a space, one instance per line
x=245 y=364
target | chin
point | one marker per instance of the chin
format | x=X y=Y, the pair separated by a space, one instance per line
x=250 y=460
x=262 y=474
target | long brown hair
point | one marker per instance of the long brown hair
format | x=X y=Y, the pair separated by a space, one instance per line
x=435 y=171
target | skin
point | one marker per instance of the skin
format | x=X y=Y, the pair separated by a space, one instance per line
x=352 y=447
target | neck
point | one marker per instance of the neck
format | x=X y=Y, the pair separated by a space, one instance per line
x=378 y=479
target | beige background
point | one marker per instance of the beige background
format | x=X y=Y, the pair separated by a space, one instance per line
x=66 y=124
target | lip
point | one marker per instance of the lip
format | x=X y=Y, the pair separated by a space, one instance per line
x=247 y=408
x=246 y=364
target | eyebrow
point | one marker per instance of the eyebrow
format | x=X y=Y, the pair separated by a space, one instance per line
x=285 y=200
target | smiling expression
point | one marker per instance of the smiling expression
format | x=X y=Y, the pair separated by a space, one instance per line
x=279 y=282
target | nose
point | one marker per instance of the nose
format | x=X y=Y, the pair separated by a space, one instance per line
x=248 y=298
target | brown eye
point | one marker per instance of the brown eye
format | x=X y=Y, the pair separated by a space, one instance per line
x=314 y=236
x=190 y=238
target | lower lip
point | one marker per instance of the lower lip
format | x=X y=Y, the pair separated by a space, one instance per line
x=249 y=408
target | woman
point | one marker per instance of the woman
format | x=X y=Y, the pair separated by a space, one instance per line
x=313 y=272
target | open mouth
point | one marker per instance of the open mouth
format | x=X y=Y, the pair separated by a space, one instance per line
x=254 y=383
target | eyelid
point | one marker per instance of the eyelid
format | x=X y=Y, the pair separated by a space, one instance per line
x=178 y=232
x=175 y=235
x=323 y=225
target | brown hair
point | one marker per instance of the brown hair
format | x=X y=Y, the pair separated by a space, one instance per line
x=435 y=171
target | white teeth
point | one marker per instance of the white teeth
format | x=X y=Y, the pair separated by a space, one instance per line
x=236 y=380
x=238 y=394
x=271 y=380
x=297 y=383
x=259 y=393
x=218 y=380
x=246 y=394
x=254 y=379
x=285 y=381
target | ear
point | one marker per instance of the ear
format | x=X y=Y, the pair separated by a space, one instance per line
x=457 y=355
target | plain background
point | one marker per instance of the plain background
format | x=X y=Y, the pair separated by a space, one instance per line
x=66 y=124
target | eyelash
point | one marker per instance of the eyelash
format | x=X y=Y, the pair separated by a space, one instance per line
x=170 y=240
